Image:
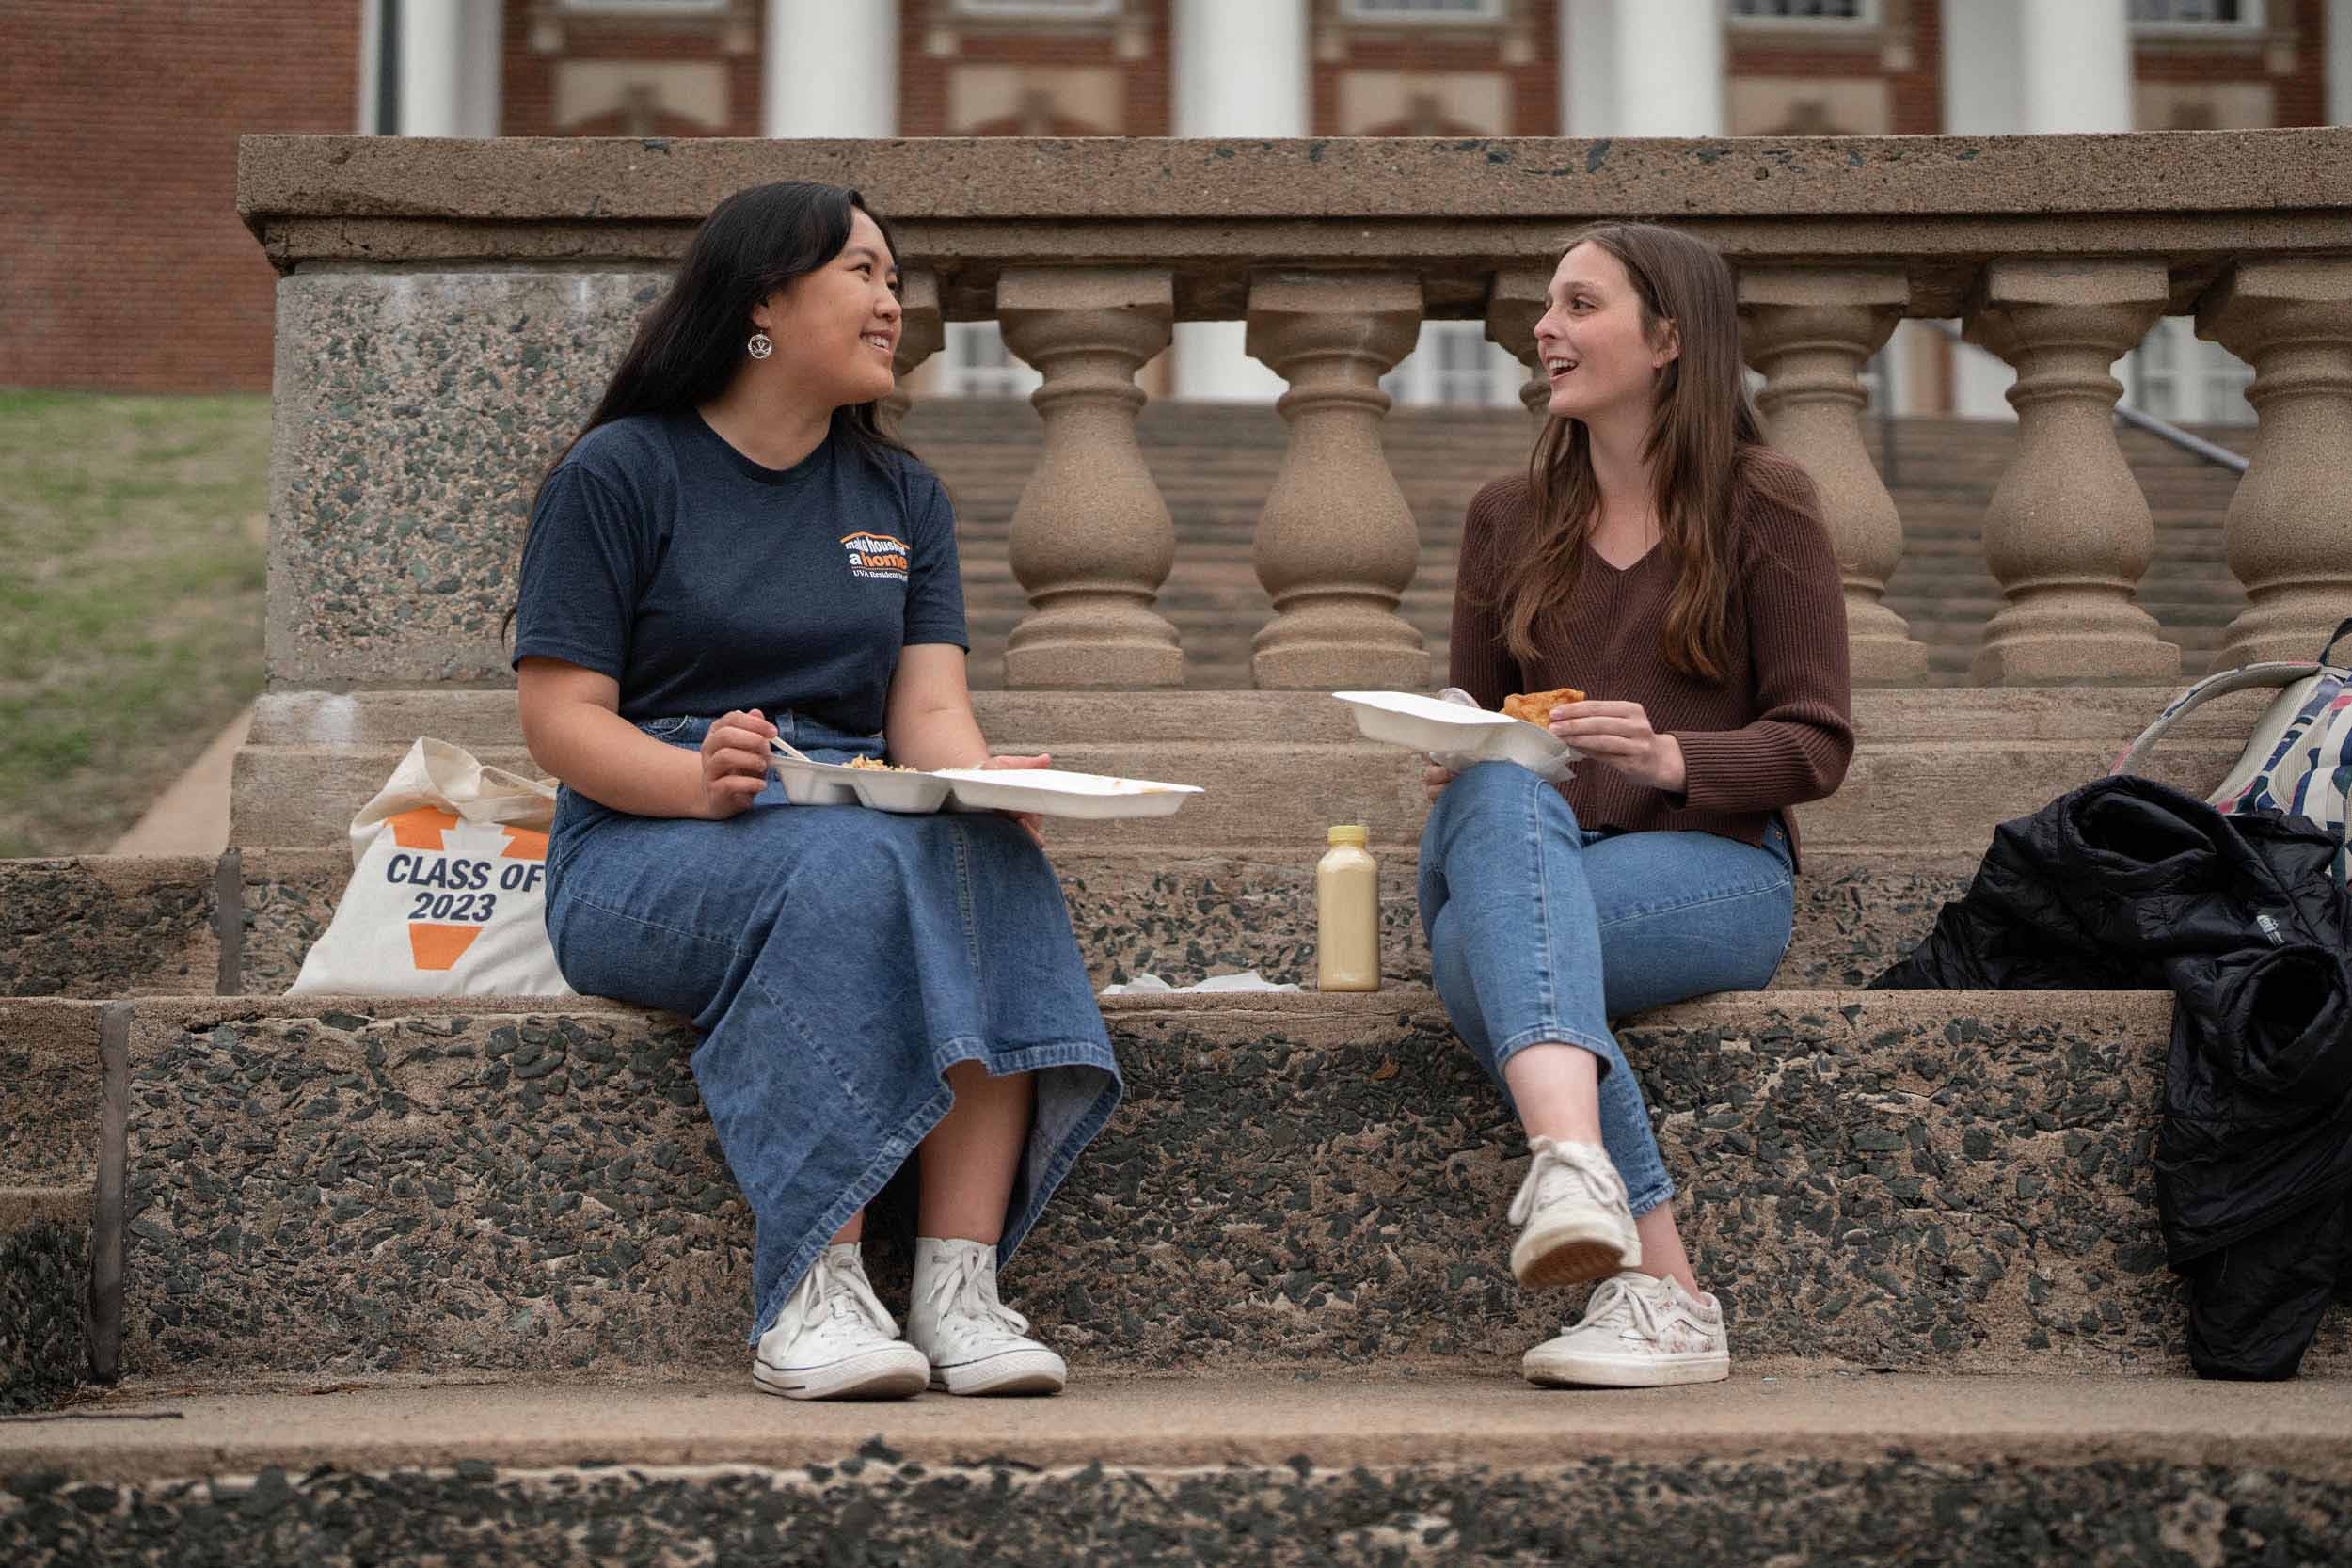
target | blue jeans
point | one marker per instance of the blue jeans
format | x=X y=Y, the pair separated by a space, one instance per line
x=1541 y=931
x=835 y=962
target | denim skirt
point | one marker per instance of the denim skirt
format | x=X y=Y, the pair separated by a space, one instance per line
x=834 y=963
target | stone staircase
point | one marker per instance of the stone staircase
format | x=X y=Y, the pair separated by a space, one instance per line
x=384 y=1277
x=1213 y=464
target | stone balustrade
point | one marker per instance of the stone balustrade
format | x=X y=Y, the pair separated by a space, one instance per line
x=447 y=311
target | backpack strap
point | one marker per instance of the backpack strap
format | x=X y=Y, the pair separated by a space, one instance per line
x=2341 y=629
x=2245 y=677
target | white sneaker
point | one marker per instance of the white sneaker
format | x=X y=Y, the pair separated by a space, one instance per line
x=976 y=1343
x=1638 y=1333
x=832 y=1340
x=1571 y=1209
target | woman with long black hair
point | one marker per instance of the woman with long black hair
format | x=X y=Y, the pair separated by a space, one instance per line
x=1664 y=562
x=732 y=552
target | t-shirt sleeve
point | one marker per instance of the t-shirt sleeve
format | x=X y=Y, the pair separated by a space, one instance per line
x=585 y=569
x=934 y=579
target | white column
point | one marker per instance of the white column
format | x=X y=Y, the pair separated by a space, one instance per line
x=1641 y=68
x=2340 y=62
x=1240 y=69
x=1588 y=76
x=432 y=54
x=830 y=69
x=480 y=64
x=1980 y=90
x=1670 y=68
x=2075 y=66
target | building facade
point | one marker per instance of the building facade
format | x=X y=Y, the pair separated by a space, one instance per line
x=147 y=96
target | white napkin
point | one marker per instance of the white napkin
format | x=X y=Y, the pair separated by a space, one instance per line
x=1248 y=979
x=1558 y=770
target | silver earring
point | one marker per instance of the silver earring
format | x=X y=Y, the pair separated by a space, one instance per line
x=760 y=346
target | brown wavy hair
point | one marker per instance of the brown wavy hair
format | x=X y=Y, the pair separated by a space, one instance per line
x=1701 y=421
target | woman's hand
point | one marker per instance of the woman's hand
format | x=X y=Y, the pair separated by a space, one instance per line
x=1434 y=778
x=735 y=762
x=1028 y=820
x=1618 y=735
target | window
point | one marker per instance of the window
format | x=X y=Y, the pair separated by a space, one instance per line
x=1037 y=11
x=1803 y=13
x=1454 y=365
x=2176 y=376
x=1422 y=10
x=977 y=364
x=2196 y=16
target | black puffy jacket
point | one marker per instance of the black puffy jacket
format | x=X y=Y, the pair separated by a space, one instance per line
x=2127 y=884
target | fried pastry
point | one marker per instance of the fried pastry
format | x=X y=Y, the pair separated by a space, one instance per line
x=1536 y=706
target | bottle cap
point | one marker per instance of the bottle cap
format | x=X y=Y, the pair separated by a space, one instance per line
x=1353 y=833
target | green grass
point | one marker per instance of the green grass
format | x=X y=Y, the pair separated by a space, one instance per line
x=132 y=559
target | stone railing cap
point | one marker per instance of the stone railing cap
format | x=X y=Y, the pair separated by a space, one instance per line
x=631 y=180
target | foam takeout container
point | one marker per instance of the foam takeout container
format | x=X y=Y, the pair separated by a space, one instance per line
x=1046 y=791
x=1454 y=733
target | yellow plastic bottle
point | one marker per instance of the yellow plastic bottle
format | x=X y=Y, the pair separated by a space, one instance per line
x=1347 y=914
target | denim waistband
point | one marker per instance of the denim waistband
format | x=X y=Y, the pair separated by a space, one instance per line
x=794 y=729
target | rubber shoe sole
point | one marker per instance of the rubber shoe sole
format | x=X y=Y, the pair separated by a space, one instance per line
x=1016 y=1372
x=1577 y=1249
x=1569 y=1371
x=892 y=1372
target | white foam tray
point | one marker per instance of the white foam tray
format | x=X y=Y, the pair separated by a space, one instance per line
x=1047 y=792
x=1457 y=735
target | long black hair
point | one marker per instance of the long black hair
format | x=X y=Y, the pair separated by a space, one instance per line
x=690 y=344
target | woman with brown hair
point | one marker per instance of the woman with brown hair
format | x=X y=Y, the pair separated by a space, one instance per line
x=1660 y=558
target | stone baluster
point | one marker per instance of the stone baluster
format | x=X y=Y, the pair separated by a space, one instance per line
x=1515 y=303
x=2068 y=533
x=1336 y=545
x=1092 y=540
x=1809 y=332
x=920 y=336
x=2289 y=524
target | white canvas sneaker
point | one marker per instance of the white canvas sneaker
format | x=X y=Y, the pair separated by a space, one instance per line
x=1572 y=1214
x=976 y=1343
x=832 y=1340
x=1637 y=1333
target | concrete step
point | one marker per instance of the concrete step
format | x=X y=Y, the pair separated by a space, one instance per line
x=52 y=1125
x=1952 y=1181
x=1456 y=1466
x=102 y=926
x=1189 y=916
x=1934 y=771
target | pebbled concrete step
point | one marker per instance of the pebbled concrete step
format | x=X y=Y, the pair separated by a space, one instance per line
x=1456 y=1467
x=106 y=925
x=1954 y=1181
x=1187 y=916
x=52 y=1138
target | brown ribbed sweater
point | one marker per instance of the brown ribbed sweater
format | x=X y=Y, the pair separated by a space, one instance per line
x=1779 y=730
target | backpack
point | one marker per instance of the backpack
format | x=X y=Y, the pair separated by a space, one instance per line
x=2299 y=758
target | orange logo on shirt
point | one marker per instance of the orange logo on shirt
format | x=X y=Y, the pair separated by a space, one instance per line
x=877 y=555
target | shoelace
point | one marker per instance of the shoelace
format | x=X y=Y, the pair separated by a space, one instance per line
x=843 y=1295
x=955 y=1289
x=1555 y=1156
x=1613 y=1298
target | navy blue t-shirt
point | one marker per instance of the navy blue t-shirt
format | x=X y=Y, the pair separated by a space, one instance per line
x=702 y=583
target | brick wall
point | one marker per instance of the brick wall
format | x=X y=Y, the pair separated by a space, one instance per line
x=527 y=87
x=122 y=265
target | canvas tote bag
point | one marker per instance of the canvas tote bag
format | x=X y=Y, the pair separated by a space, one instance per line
x=448 y=894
